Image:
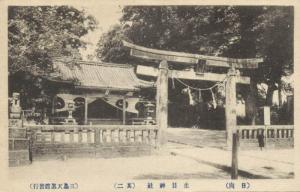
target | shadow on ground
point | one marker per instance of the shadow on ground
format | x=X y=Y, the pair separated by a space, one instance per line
x=197 y=175
x=223 y=173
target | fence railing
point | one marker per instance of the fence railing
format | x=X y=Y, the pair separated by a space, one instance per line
x=268 y=131
x=93 y=134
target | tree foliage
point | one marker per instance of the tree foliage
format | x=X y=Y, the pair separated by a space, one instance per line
x=231 y=31
x=110 y=47
x=275 y=43
x=36 y=34
x=177 y=28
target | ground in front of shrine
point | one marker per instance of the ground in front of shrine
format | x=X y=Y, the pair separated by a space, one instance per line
x=189 y=154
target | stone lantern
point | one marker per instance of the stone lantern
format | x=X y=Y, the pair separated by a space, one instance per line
x=15 y=108
x=70 y=107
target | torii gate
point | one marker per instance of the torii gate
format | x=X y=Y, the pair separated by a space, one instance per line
x=233 y=77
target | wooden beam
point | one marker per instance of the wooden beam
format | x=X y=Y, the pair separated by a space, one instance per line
x=189 y=75
x=160 y=57
x=188 y=58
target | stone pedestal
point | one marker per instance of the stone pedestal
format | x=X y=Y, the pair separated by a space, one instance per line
x=70 y=121
x=19 y=147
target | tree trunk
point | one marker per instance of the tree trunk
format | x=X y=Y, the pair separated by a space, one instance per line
x=269 y=96
x=251 y=102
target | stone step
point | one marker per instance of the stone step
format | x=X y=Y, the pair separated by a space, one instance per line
x=216 y=138
x=198 y=137
x=19 y=157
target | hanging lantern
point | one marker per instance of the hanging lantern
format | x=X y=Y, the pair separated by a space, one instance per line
x=119 y=103
x=79 y=101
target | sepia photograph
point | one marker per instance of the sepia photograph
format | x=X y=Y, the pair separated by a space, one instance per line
x=149 y=97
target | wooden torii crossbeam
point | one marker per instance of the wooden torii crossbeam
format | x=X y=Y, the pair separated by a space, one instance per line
x=188 y=58
x=192 y=59
x=189 y=75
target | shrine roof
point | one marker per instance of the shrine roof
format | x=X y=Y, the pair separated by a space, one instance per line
x=98 y=75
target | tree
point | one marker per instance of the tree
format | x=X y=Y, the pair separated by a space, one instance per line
x=110 y=48
x=245 y=47
x=231 y=31
x=275 y=42
x=36 y=34
x=203 y=30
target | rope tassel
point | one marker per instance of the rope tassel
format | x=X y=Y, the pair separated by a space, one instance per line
x=201 y=89
x=200 y=97
x=188 y=89
x=213 y=99
x=173 y=82
x=190 y=96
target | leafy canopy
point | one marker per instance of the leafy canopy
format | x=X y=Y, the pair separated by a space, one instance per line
x=36 y=34
x=231 y=31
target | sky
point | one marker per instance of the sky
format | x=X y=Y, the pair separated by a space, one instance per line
x=107 y=15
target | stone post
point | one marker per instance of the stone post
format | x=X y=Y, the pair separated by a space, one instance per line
x=230 y=110
x=162 y=101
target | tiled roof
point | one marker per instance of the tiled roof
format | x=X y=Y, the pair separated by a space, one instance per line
x=97 y=75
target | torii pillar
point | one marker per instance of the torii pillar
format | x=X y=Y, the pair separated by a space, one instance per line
x=230 y=109
x=179 y=57
x=162 y=102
